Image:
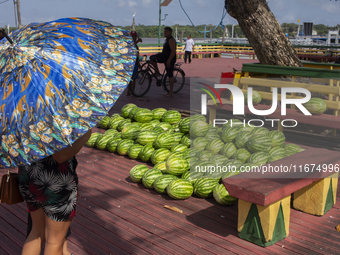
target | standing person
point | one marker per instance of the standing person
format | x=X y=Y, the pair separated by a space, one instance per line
x=189 y=48
x=168 y=57
x=50 y=189
x=136 y=40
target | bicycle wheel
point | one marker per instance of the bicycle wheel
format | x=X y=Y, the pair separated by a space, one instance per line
x=179 y=79
x=141 y=83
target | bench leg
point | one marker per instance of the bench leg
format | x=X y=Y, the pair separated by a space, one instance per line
x=279 y=126
x=318 y=197
x=264 y=225
x=212 y=115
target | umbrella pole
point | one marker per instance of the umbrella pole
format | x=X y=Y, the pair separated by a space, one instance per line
x=7 y=37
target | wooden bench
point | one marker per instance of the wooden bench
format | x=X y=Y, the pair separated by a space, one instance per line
x=315 y=57
x=238 y=53
x=265 y=199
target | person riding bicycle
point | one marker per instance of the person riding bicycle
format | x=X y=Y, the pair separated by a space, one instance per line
x=167 y=56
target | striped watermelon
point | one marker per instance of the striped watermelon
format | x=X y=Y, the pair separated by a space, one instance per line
x=192 y=176
x=228 y=149
x=159 y=155
x=102 y=141
x=179 y=189
x=115 y=115
x=231 y=123
x=204 y=155
x=256 y=96
x=134 y=150
x=162 y=182
x=200 y=143
x=218 y=159
x=123 y=146
x=146 y=137
x=154 y=122
x=179 y=147
x=132 y=112
x=164 y=140
x=229 y=134
x=222 y=196
x=175 y=128
x=186 y=153
x=197 y=117
x=242 y=139
x=126 y=110
x=242 y=155
x=158 y=130
x=111 y=132
x=177 y=137
x=292 y=149
x=93 y=138
x=118 y=135
x=184 y=125
x=122 y=124
x=158 y=113
x=198 y=128
x=130 y=132
x=275 y=157
x=161 y=166
x=112 y=144
x=137 y=172
x=233 y=163
x=215 y=146
x=260 y=131
x=277 y=151
x=260 y=157
x=174 y=154
x=113 y=124
x=146 y=126
x=143 y=115
x=150 y=176
x=104 y=123
x=194 y=151
x=146 y=152
x=212 y=136
x=259 y=143
x=316 y=105
x=164 y=125
x=177 y=165
x=277 y=137
x=171 y=117
x=204 y=187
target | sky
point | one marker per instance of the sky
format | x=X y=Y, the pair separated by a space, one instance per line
x=120 y=12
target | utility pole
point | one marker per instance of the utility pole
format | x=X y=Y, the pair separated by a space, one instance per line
x=17 y=3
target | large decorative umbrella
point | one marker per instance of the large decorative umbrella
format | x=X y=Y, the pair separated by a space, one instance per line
x=58 y=79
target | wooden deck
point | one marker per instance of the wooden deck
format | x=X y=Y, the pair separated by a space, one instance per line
x=116 y=216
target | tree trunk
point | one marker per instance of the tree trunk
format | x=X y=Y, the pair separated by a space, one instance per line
x=264 y=32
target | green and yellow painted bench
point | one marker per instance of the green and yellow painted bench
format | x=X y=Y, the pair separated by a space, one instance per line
x=264 y=200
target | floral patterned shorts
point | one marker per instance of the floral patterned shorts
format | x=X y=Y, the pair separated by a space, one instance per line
x=51 y=186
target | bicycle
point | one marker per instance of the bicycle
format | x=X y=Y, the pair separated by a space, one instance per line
x=143 y=78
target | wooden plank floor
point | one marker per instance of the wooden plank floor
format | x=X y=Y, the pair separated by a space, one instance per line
x=116 y=216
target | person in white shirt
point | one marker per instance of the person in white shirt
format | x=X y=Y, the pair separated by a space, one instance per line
x=189 y=47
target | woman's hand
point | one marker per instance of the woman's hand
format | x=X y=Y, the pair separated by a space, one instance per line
x=71 y=151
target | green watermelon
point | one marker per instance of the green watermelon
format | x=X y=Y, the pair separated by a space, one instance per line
x=137 y=172
x=130 y=132
x=277 y=151
x=164 y=125
x=93 y=138
x=154 y=122
x=150 y=176
x=113 y=124
x=175 y=128
x=146 y=137
x=260 y=157
x=316 y=105
x=186 y=153
x=242 y=155
x=277 y=137
x=118 y=135
x=134 y=150
x=228 y=149
x=204 y=155
x=179 y=147
x=260 y=131
x=215 y=146
x=204 y=187
x=200 y=143
x=158 y=113
x=161 y=166
x=164 y=140
x=146 y=126
x=102 y=141
x=194 y=151
x=112 y=144
x=159 y=155
x=162 y=182
x=292 y=149
x=179 y=189
x=229 y=134
x=212 y=136
x=126 y=110
x=104 y=123
x=222 y=196
x=174 y=154
x=192 y=176
x=198 y=128
x=111 y=132
x=122 y=124
x=158 y=130
x=255 y=95
x=259 y=143
x=123 y=146
x=232 y=123
x=242 y=139
x=184 y=125
x=177 y=165
x=218 y=159
x=177 y=137
x=115 y=115
x=171 y=117
x=275 y=157
x=143 y=115
x=197 y=117
x=146 y=152
x=132 y=112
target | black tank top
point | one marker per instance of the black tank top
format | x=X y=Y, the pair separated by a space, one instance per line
x=166 y=48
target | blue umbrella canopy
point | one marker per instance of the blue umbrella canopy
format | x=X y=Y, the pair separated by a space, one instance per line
x=58 y=80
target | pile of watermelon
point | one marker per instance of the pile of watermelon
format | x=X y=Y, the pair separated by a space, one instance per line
x=178 y=147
